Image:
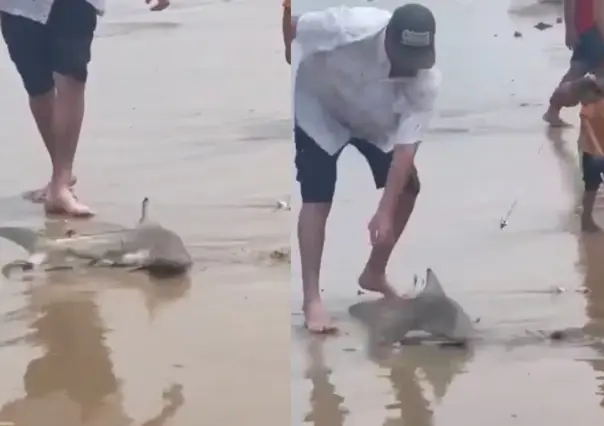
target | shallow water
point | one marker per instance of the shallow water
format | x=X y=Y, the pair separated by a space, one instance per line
x=179 y=110
x=488 y=148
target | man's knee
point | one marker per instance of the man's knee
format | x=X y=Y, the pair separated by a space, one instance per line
x=71 y=59
x=313 y=192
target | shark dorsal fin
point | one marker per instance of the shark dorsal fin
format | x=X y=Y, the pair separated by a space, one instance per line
x=144 y=211
x=433 y=286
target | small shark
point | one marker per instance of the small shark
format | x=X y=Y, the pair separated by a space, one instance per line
x=430 y=311
x=148 y=246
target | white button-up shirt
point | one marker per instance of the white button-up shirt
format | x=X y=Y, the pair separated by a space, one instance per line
x=342 y=87
x=39 y=10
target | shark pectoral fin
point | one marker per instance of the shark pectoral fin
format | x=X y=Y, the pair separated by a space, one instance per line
x=433 y=286
x=24 y=265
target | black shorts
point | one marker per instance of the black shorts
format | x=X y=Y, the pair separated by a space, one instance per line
x=593 y=167
x=317 y=170
x=589 y=50
x=61 y=46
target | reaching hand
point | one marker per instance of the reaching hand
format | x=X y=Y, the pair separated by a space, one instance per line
x=381 y=229
x=159 y=5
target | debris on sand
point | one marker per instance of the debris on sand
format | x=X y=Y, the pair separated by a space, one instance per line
x=542 y=26
x=557 y=335
x=558 y=20
x=283 y=205
x=281 y=255
x=517 y=34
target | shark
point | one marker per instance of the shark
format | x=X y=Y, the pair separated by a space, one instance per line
x=148 y=246
x=433 y=317
x=430 y=311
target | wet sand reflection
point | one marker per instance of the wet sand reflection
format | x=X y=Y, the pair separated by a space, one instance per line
x=326 y=404
x=74 y=376
x=591 y=248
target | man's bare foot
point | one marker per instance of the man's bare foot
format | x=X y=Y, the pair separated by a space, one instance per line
x=378 y=283
x=317 y=320
x=552 y=118
x=64 y=202
x=38 y=196
x=589 y=226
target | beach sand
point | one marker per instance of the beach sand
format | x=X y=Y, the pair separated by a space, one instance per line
x=190 y=107
x=487 y=148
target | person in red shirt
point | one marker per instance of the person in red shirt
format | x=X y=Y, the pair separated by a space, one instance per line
x=584 y=38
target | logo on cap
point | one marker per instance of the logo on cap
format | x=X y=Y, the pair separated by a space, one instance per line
x=415 y=39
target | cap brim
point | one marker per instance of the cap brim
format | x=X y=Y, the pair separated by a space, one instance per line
x=417 y=58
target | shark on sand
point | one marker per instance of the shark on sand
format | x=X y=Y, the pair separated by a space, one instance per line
x=431 y=311
x=148 y=246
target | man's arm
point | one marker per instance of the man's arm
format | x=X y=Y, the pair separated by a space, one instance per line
x=417 y=110
x=598 y=7
x=570 y=23
x=288 y=29
x=569 y=14
x=403 y=159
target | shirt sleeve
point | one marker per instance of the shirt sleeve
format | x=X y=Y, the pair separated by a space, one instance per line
x=320 y=30
x=416 y=108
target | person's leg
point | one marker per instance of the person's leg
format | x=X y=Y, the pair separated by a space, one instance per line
x=317 y=174
x=552 y=116
x=71 y=27
x=585 y=56
x=592 y=179
x=29 y=49
x=373 y=277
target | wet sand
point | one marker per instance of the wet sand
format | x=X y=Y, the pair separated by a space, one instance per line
x=487 y=148
x=191 y=108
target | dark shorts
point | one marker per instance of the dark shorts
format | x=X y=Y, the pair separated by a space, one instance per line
x=589 y=49
x=317 y=170
x=62 y=45
x=593 y=167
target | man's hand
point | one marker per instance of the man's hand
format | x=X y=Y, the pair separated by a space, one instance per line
x=381 y=228
x=571 y=39
x=159 y=5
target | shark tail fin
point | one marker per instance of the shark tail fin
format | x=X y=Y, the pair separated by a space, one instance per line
x=23 y=237
x=433 y=285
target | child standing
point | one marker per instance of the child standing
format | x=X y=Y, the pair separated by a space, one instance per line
x=589 y=91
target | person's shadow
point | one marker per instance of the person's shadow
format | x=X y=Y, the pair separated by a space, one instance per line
x=592 y=261
x=72 y=383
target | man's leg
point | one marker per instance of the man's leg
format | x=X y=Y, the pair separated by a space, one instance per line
x=29 y=49
x=373 y=277
x=317 y=174
x=71 y=28
x=552 y=116
x=585 y=55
